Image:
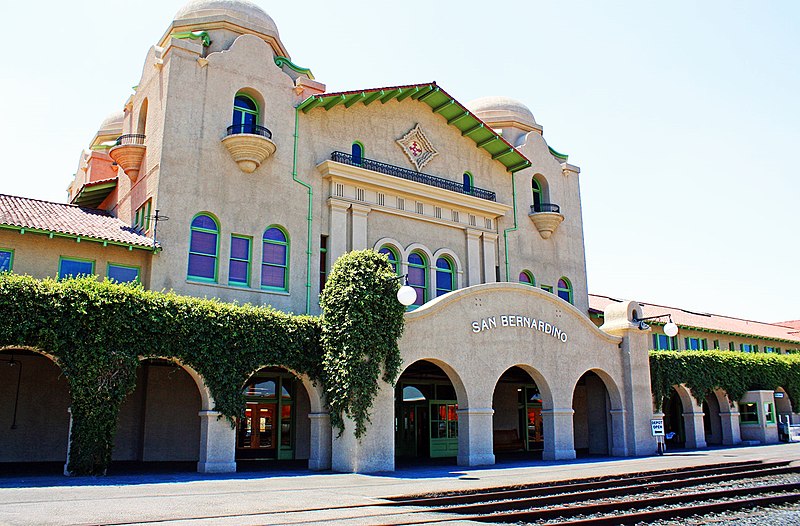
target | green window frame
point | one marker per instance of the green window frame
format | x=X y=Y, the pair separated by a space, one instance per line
x=271 y=247
x=696 y=344
x=716 y=344
x=196 y=255
x=245 y=113
x=770 y=348
x=357 y=152
x=239 y=261
x=748 y=413
x=748 y=347
x=662 y=342
x=445 y=276
x=526 y=277
x=62 y=261
x=468 y=183
x=536 y=193
x=393 y=255
x=565 y=289
x=547 y=288
x=769 y=413
x=731 y=346
x=120 y=273
x=323 y=261
x=142 y=218
x=6 y=259
x=418 y=269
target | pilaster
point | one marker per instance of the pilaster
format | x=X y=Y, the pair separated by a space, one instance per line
x=559 y=438
x=489 y=257
x=475 y=437
x=473 y=257
x=217 y=444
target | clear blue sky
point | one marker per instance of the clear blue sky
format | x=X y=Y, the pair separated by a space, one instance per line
x=683 y=116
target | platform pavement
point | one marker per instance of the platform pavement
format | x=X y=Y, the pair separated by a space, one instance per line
x=303 y=497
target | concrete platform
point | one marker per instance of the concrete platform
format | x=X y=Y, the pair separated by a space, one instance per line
x=293 y=497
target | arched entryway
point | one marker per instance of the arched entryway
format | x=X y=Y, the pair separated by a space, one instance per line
x=591 y=421
x=276 y=424
x=517 y=427
x=426 y=413
x=159 y=421
x=34 y=412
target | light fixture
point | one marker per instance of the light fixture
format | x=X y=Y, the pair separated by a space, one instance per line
x=670 y=328
x=406 y=295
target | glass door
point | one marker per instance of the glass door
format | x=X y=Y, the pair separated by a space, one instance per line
x=257 y=428
x=443 y=428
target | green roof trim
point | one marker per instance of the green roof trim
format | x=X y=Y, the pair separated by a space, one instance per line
x=105 y=242
x=195 y=35
x=441 y=103
x=283 y=61
x=560 y=156
x=91 y=195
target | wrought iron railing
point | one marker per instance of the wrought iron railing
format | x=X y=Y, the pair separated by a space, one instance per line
x=411 y=175
x=253 y=129
x=545 y=207
x=130 y=138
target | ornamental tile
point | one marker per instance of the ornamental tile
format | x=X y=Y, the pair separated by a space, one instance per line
x=417 y=147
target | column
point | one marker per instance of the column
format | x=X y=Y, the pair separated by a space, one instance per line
x=475 y=436
x=559 y=438
x=490 y=257
x=695 y=429
x=359 y=228
x=217 y=444
x=337 y=239
x=320 y=454
x=618 y=447
x=731 y=435
x=473 y=257
x=375 y=450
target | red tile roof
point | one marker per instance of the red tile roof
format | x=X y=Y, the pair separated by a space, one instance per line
x=71 y=220
x=700 y=320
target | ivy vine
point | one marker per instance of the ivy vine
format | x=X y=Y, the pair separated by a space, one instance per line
x=734 y=372
x=360 y=328
x=98 y=331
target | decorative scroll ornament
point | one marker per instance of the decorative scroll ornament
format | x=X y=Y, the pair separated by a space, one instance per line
x=417 y=147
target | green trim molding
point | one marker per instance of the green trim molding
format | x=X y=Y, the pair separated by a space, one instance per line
x=440 y=102
x=105 y=242
x=195 y=35
x=283 y=61
x=559 y=156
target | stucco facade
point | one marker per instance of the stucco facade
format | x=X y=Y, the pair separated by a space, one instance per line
x=266 y=178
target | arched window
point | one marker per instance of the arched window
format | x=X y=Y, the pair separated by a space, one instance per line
x=468 y=183
x=141 y=125
x=527 y=278
x=358 y=153
x=203 y=249
x=275 y=260
x=445 y=276
x=418 y=277
x=391 y=254
x=565 y=289
x=536 y=190
x=245 y=114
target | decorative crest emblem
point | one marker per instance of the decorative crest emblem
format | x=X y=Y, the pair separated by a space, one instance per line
x=417 y=147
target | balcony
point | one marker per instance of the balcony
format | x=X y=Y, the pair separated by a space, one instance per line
x=411 y=175
x=128 y=153
x=249 y=145
x=546 y=217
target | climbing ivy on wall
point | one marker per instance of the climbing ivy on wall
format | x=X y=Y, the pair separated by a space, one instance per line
x=98 y=331
x=360 y=328
x=734 y=372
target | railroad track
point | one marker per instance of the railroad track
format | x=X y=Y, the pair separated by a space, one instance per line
x=628 y=499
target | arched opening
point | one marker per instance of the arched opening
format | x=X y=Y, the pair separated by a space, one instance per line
x=357 y=151
x=517 y=428
x=445 y=276
x=526 y=277
x=591 y=422
x=426 y=419
x=159 y=420
x=712 y=422
x=418 y=278
x=276 y=424
x=34 y=413
x=141 y=127
x=246 y=113
x=392 y=254
x=783 y=409
x=674 y=426
x=468 y=183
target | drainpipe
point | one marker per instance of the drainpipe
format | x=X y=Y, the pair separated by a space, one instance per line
x=310 y=217
x=512 y=229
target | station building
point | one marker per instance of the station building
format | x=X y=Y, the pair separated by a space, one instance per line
x=233 y=173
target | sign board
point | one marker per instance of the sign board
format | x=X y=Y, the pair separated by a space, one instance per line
x=657 y=427
x=778 y=395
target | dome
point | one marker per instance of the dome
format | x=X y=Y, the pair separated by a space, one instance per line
x=502 y=109
x=239 y=9
x=112 y=123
